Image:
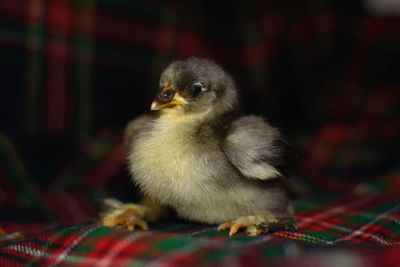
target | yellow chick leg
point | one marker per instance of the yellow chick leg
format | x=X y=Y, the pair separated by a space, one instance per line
x=128 y=215
x=256 y=225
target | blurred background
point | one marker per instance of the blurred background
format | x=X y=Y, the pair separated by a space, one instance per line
x=73 y=73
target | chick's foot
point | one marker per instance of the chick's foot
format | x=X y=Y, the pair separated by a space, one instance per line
x=257 y=224
x=129 y=216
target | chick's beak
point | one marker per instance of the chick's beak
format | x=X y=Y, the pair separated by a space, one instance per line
x=167 y=98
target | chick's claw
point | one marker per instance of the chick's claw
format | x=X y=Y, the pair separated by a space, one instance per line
x=254 y=230
x=251 y=230
x=128 y=216
x=253 y=225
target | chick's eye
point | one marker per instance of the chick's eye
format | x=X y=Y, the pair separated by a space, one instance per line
x=196 y=90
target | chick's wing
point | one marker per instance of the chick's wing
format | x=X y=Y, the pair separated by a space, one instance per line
x=255 y=148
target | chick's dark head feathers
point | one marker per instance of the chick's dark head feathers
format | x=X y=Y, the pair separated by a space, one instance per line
x=195 y=86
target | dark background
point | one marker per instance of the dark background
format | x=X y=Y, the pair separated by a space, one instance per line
x=101 y=60
x=74 y=72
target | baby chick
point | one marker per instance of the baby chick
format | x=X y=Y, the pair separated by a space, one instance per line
x=204 y=159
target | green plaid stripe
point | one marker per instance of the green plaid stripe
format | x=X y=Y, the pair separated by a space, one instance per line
x=349 y=220
x=50 y=81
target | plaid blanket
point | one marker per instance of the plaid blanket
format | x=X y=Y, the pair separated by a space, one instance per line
x=356 y=228
x=74 y=72
x=372 y=221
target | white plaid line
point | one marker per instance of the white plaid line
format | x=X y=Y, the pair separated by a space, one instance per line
x=74 y=243
x=333 y=211
x=107 y=260
x=309 y=238
x=30 y=251
x=349 y=230
x=363 y=229
x=42 y=254
x=373 y=215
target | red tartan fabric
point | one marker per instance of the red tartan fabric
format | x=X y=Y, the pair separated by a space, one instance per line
x=327 y=73
x=368 y=220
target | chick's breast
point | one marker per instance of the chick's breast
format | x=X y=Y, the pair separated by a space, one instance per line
x=189 y=171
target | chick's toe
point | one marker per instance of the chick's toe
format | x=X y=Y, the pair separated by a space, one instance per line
x=128 y=216
x=256 y=225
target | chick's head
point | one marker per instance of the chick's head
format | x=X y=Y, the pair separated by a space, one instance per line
x=195 y=86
